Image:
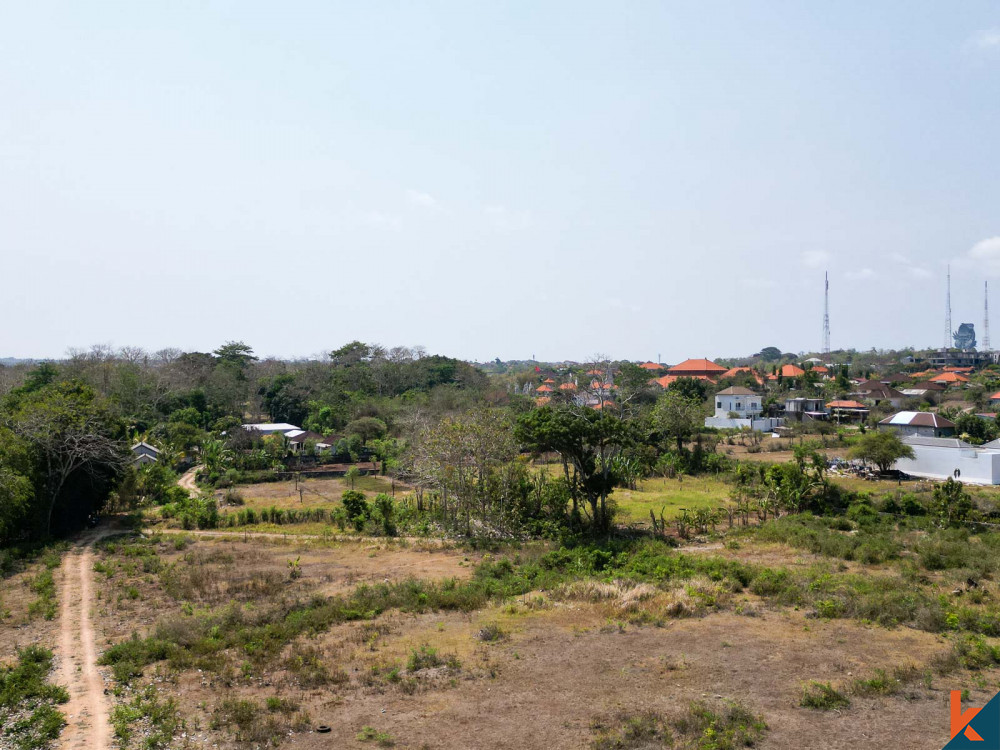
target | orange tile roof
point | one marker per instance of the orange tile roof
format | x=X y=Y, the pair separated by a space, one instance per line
x=595 y=372
x=820 y=368
x=542 y=400
x=651 y=366
x=567 y=387
x=995 y=396
x=734 y=371
x=549 y=381
x=845 y=405
x=950 y=377
x=959 y=369
x=666 y=380
x=696 y=365
x=925 y=374
x=791 y=371
x=544 y=389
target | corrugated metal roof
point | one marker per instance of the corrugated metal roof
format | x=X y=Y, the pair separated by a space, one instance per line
x=272 y=427
x=933 y=442
x=917 y=419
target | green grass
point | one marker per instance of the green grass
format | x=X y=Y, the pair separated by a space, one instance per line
x=164 y=719
x=823 y=696
x=370 y=734
x=44 y=585
x=669 y=496
x=700 y=727
x=25 y=693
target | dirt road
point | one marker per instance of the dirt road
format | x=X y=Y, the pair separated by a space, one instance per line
x=88 y=726
x=187 y=481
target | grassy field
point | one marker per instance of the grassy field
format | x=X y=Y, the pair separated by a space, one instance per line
x=316 y=493
x=670 y=496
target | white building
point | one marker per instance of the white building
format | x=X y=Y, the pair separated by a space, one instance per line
x=739 y=407
x=941 y=458
x=269 y=428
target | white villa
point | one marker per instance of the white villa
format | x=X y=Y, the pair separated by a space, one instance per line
x=737 y=407
x=940 y=458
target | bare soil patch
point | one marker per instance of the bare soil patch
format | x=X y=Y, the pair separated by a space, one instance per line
x=561 y=668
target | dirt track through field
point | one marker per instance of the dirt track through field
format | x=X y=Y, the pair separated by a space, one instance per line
x=187 y=481
x=87 y=712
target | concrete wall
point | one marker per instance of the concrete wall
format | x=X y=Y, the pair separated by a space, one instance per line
x=761 y=424
x=939 y=462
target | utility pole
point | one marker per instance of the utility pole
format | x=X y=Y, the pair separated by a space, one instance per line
x=826 y=312
x=986 y=316
x=947 y=312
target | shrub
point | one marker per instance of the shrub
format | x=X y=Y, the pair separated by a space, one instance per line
x=370 y=734
x=491 y=632
x=822 y=696
x=26 y=695
x=701 y=727
x=356 y=507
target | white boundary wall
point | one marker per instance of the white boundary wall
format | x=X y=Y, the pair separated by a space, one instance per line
x=974 y=466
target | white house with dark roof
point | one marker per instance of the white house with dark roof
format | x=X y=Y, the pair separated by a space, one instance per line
x=737 y=407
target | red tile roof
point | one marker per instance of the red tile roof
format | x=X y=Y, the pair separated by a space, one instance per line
x=846 y=405
x=734 y=371
x=697 y=365
x=549 y=381
x=544 y=389
x=820 y=369
x=666 y=380
x=567 y=387
x=599 y=386
x=791 y=371
x=950 y=377
x=652 y=366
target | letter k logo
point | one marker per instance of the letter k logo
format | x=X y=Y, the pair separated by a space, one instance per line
x=960 y=721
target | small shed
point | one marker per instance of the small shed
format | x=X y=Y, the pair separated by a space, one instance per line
x=144 y=453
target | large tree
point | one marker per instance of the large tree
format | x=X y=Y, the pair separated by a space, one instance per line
x=75 y=443
x=882 y=448
x=678 y=416
x=589 y=441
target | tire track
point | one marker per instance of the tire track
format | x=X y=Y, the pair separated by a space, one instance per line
x=87 y=713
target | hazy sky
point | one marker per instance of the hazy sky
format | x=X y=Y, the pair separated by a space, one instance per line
x=496 y=179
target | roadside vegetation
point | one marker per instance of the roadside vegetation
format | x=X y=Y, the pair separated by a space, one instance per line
x=29 y=717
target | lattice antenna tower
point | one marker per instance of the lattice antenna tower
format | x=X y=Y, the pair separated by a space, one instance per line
x=826 y=312
x=986 y=316
x=947 y=312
